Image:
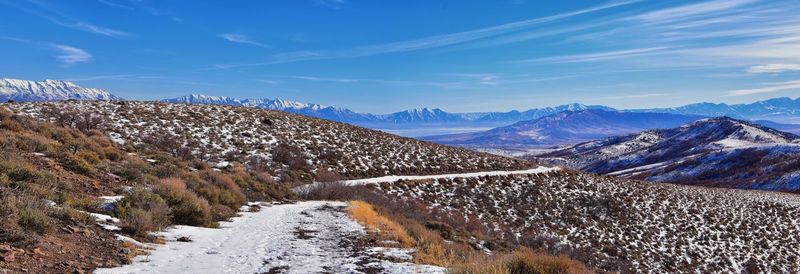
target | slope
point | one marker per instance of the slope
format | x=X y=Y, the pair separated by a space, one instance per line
x=717 y=151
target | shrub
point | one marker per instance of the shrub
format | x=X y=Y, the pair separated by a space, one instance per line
x=72 y=215
x=112 y=154
x=138 y=203
x=185 y=206
x=35 y=219
x=137 y=221
x=221 y=212
x=324 y=175
x=89 y=156
x=85 y=203
x=18 y=171
x=10 y=125
x=77 y=164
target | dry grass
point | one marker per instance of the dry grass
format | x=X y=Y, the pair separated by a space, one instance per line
x=378 y=224
x=522 y=261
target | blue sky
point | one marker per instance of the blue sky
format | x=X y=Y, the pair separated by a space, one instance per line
x=385 y=56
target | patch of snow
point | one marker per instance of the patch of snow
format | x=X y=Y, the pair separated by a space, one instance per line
x=305 y=237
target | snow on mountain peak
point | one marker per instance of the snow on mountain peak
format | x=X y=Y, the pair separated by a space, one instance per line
x=47 y=90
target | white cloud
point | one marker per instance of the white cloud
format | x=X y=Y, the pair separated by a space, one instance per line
x=775 y=87
x=773 y=68
x=241 y=38
x=71 y=55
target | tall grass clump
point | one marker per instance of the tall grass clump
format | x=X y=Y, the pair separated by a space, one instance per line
x=378 y=224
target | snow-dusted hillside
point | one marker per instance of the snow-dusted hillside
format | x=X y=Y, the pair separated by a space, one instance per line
x=280 y=142
x=48 y=90
x=626 y=226
x=716 y=151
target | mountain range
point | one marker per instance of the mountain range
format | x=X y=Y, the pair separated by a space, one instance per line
x=567 y=127
x=781 y=109
x=48 y=90
x=429 y=116
x=718 y=151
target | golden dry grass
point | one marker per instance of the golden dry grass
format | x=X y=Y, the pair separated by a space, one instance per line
x=378 y=224
x=523 y=261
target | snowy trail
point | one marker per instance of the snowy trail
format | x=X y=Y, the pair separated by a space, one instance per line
x=306 y=237
x=394 y=178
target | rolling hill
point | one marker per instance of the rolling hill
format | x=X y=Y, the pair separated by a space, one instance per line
x=720 y=151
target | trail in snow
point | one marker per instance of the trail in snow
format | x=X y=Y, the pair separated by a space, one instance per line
x=395 y=178
x=306 y=237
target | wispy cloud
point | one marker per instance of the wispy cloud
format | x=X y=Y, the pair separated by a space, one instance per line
x=333 y=4
x=635 y=96
x=115 y=4
x=97 y=29
x=691 y=10
x=774 y=68
x=271 y=82
x=71 y=55
x=431 y=42
x=324 y=79
x=124 y=77
x=596 y=56
x=51 y=14
x=774 y=87
x=482 y=78
x=241 y=38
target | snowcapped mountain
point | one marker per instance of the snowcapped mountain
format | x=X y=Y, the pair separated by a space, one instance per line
x=781 y=109
x=313 y=110
x=567 y=127
x=422 y=115
x=716 y=151
x=48 y=90
x=516 y=116
x=205 y=100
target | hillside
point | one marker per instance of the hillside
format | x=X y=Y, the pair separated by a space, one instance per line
x=290 y=146
x=74 y=201
x=622 y=225
x=718 y=152
x=61 y=196
x=567 y=127
x=48 y=90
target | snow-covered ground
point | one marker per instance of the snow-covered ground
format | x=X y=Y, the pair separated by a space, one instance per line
x=306 y=237
x=395 y=178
